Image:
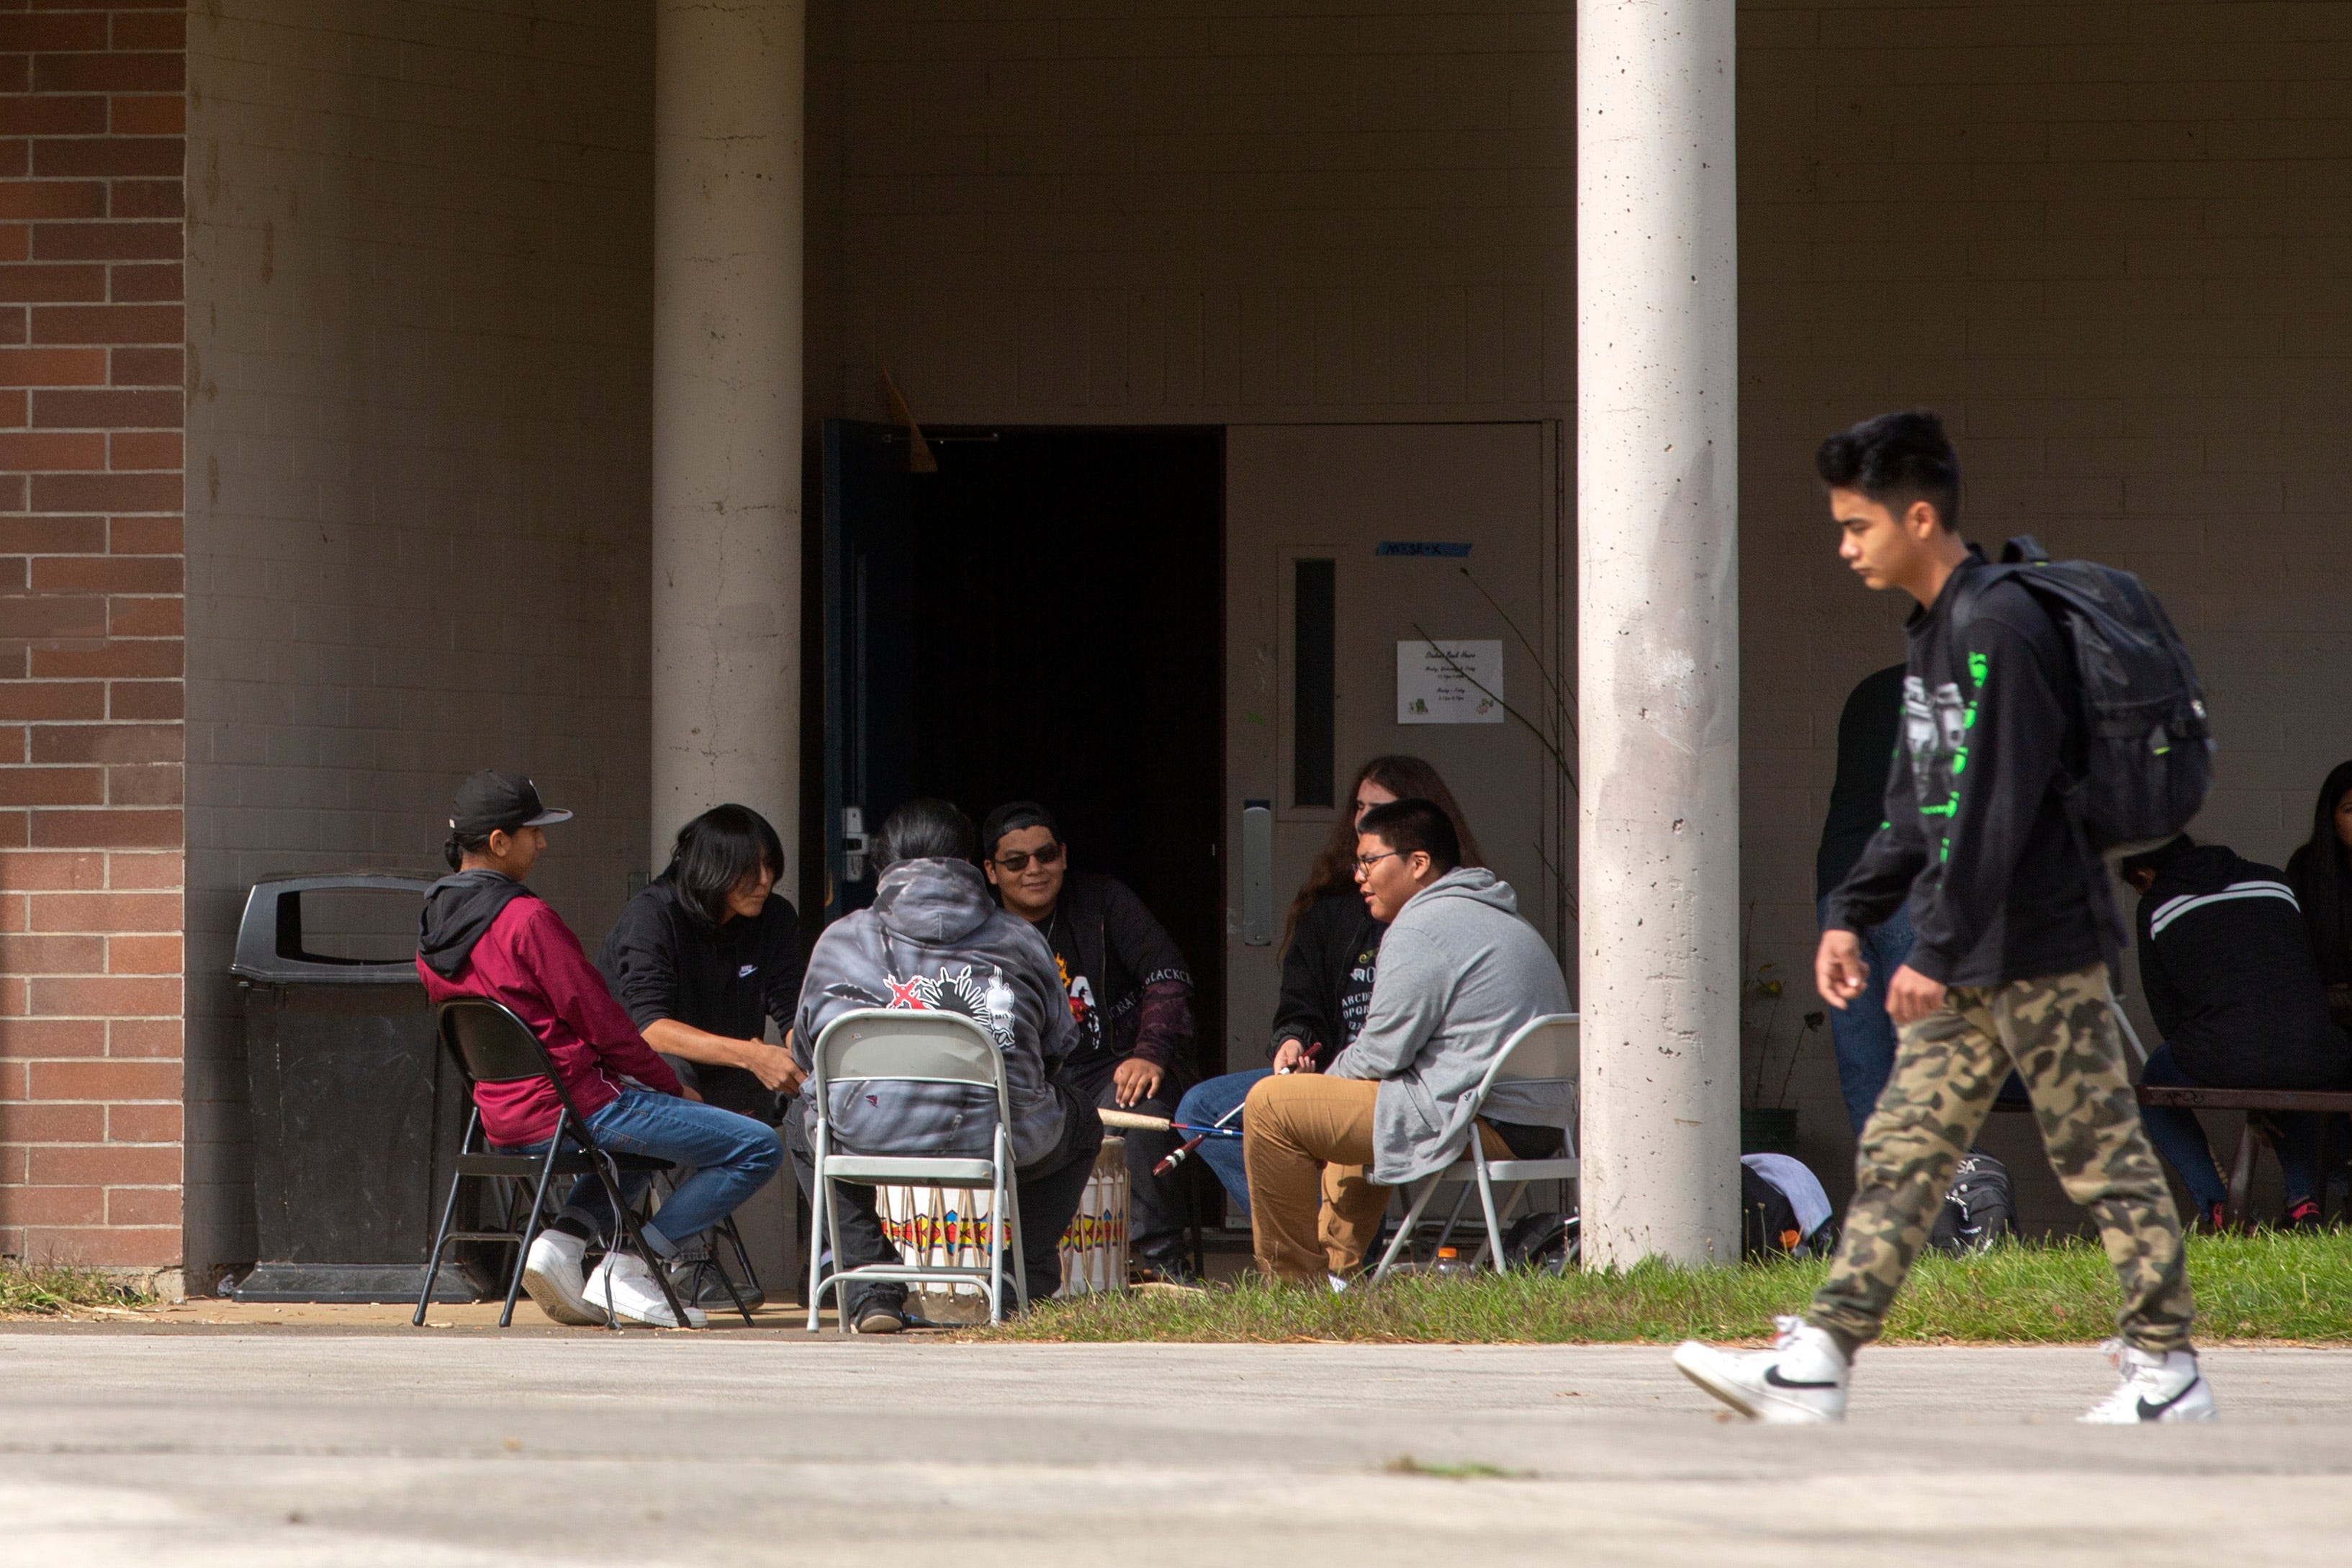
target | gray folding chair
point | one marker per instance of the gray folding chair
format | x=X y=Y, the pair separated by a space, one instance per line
x=1542 y=1052
x=886 y=1045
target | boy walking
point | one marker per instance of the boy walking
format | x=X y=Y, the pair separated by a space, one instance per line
x=2008 y=967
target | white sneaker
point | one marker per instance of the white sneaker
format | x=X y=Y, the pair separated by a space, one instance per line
x=1799 y=1381
x=550 y=1273
x=624 y=1286
x=2156 y=1387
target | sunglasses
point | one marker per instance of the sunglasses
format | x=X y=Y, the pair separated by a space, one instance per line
x=1050 y=855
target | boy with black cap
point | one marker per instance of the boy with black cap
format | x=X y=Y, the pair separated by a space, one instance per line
x=483 y=933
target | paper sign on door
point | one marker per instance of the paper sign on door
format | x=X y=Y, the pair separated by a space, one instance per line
x=1450 y=682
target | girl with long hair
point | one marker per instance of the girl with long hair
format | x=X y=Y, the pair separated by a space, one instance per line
x=2321 y=875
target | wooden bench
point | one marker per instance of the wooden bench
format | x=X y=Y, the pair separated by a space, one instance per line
x=2257 y=1128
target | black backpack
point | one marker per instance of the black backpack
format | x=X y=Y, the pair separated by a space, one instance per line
x=2149 y=760
x=1979 y=1210
x=1768 y=1220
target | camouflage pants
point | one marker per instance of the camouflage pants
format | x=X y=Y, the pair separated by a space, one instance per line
x=2063 y=1042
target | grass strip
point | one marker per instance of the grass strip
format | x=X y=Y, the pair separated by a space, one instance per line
x=2272 y=1286
x=48 y=1291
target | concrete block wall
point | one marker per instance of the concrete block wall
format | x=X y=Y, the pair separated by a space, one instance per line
x=90 y=650
x=420 y=284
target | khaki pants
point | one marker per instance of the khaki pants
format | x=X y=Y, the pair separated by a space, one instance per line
x=1306 y=1137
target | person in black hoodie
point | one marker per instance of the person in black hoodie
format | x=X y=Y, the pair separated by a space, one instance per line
x=1330 y=953
x=2008 y=965
x=2320 y=872
x=2230 y=979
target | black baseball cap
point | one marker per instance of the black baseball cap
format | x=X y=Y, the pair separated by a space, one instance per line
x=490 y=800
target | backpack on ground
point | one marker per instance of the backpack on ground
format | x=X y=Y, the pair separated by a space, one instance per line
x=1979 y=1210
x=2148 y=756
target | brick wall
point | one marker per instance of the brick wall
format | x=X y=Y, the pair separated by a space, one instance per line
x=420 y=285
x=90 y=650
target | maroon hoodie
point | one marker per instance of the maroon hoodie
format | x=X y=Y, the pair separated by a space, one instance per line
x=528 y=959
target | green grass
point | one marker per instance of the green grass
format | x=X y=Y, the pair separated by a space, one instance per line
x=2265 y=1286
x=41 y=1290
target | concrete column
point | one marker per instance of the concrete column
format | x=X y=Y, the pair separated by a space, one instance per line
x=1658 y=686
x=728 y=111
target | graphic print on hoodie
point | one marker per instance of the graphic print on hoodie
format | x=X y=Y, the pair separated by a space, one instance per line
x=1936 y=732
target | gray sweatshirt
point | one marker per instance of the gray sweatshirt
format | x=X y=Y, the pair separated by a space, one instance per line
x=934 y=939
x=1460 y=973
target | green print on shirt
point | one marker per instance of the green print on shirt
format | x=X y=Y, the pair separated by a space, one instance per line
x=1935 y=731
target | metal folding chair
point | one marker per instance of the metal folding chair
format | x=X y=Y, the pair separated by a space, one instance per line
x=1543 y=1052
x=879 y=1045
x=490 y=1044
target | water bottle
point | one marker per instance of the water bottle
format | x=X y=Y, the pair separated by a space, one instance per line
x=1451 y=1265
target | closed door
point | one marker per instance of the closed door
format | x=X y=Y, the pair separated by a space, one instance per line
x=1342 y=543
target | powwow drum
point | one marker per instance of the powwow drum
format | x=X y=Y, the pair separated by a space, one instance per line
x=1094 y=1249
x=949 y=1226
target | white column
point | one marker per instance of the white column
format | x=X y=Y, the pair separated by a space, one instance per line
x=727 y=111
x=1658 y=646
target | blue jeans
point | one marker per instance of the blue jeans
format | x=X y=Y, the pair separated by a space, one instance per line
x=732 y=1156
x=2179 y=1136
x=1862 y=1033
x=1207 y=1102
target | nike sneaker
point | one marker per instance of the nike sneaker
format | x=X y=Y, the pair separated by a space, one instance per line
x=2156 y=1386
x=1800 y=1381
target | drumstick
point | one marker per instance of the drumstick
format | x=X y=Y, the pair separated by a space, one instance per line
x=1134 y=1120
x=1184 y=1151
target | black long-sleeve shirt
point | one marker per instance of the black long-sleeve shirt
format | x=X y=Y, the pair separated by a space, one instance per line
x=1976 y=837
x=1326 y=975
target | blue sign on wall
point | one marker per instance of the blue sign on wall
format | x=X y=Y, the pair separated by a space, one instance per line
x=1419 y=547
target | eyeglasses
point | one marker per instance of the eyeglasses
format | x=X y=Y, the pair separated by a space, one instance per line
x=1364 y=863
x=1050 y=855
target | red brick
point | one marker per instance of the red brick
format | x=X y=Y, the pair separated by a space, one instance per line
x=51 y=870
x=25 y=1039
x=142 y=1124
x=151 y=30
x=108 y=742
x=108 y=1080
x=165 y=114
x=107 y=242
x=108 y=323
x=107 y=492
x=163 y=783
x=12 y=988
x=52 y=1206
x=51 y=198
x=15 y=407
x=62 y=827
x=149 y=366
x=142 y=449
x=104 y=574
x=15 y=828
x=55 y=114
x=49 y=536
x=12 y=748
x=145 y=618
x=146 y=699
x=52 y=786
x=140 y=954
x=52 y=700
x=124 y=657
x=15 y=71
x=107 y=913
x=15 y=241
x=28 y=954
x=53 y=367
x=108 y=1246
x=53 y=1123
x=43 y=280
x=141 y=281
x=36 y=34
x=127 y=868
x=147 y=198
x=110 y=997
x=12 y=492
x=16 y=157
x=101 y=1164
x=105 y=410
x=66 y=157
x=151 y=535
x=56 y=451
x=143 y=1206
x=130 y=1039
x=109 y=73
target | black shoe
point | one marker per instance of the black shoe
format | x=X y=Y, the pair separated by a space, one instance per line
x=875 y=1317
x=1171 y=1270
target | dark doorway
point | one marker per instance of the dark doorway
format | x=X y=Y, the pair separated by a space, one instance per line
x=1043 y=618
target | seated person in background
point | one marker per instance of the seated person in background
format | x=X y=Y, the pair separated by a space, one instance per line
x=483 y=933
x=1130 y=994
x=1330 y=953
x=934 y=939
x=2229 y=977
x=707 y=954
x=1460 y=973
x=2320 y=872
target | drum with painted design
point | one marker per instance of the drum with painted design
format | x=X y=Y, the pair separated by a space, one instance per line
x=949 y=1226
x=1094 y=1249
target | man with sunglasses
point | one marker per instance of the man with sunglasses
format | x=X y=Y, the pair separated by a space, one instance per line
x=1130 y=994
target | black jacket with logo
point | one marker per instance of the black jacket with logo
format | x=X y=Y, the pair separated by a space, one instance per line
x=1326 y=975
x=1977 y=836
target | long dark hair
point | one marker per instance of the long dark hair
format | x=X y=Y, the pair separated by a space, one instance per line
x=716 y=851
x=2322 y=876
x=1407 y=778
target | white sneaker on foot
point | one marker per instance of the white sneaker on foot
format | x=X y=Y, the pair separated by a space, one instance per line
x=2156 y=1386
x=625 y=1287
x=1799 y=1381
x=550 y=1273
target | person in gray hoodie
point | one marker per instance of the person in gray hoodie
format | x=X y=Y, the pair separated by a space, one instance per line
x=1460 y=973
x=934 y=939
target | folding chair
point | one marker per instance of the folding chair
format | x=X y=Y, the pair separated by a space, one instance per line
x=879 y=1045
x=490 y=1044
x=1542 y=1052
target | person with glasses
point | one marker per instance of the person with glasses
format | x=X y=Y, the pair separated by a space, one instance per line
x=1460 y=973
x=1130 y=996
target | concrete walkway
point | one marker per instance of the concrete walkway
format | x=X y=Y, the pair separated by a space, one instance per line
x=305 y=1448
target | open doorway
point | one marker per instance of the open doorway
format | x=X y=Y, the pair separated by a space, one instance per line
x=1041 y=618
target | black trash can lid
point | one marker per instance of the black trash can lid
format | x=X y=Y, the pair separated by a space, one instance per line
x=269 y=939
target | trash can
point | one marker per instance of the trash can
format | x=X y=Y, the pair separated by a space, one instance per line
x=356 y=1114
